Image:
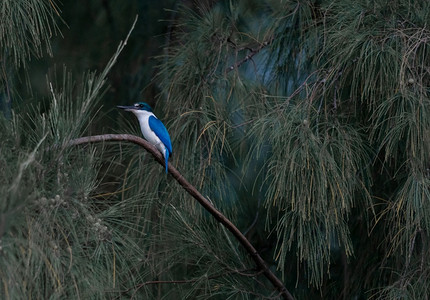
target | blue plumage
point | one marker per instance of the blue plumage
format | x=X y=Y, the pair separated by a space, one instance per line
x=160 y=130
x=153 y=129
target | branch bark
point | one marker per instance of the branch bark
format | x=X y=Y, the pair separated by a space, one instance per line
x=261 y=264
x=249 y=56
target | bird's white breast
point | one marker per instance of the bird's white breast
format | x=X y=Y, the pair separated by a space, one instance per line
x=148 y=134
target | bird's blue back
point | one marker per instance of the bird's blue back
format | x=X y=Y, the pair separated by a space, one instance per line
x=160 y=130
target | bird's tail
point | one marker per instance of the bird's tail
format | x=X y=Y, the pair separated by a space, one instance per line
x=166 y=158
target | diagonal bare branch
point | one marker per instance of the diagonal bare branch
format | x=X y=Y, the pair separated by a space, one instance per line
x=261 y=264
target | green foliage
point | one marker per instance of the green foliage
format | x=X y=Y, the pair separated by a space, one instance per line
x=57 y=239
x=26 y=28
x=305 y=122
x=51 y=228
x=317 y=90
x=327 y=156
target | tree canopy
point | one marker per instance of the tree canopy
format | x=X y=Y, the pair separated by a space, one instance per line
x=306 y=123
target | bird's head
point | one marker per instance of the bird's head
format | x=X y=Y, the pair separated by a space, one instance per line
x=136 y=107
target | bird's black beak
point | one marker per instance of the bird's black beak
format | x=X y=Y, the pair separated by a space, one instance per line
x=127 y=108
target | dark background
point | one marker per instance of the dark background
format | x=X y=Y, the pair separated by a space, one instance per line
x=90 y=34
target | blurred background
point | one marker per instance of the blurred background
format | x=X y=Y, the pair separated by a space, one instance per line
x=89 y=33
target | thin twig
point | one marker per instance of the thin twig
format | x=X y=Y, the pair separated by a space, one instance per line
x=198 y=279
x=249 y=56
x=261 y=264
x=185 y=281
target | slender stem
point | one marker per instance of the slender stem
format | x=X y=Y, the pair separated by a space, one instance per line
x=249 y=56
x=277 y=283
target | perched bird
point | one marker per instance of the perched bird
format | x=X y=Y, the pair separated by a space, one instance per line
x=153 y=129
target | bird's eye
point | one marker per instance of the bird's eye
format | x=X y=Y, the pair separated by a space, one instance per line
x=140 y=105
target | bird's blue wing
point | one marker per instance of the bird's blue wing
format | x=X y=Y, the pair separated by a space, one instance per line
x=158 y=127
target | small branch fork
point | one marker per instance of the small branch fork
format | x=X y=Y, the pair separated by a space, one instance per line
x=261 y=264
x=249 y=56
x=222 y=273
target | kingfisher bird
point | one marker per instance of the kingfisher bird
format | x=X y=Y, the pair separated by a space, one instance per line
x=153 y=129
